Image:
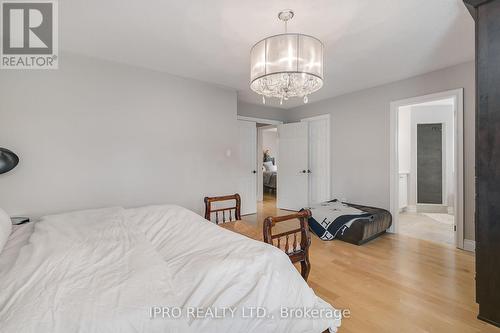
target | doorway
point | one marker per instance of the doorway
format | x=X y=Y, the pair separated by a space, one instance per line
x=251 y=169
x=269 y=155
x=427 y=167
x=290 y=167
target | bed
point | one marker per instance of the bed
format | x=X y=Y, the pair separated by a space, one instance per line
x=149 y=269
x=270 y=174
x=269 y=179
x=352 y=223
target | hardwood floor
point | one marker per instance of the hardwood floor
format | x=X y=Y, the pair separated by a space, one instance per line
x=437 y=228
x=392 y=284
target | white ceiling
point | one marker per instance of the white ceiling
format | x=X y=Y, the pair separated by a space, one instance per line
x=368 y=42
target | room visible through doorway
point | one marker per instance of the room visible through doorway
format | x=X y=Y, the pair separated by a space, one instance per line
x=269 y=158
x=427 y=169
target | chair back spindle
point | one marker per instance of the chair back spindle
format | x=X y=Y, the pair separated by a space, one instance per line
x=296 y=251
x=211 y=212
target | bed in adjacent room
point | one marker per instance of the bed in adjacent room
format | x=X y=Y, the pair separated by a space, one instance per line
x=128 y=270
x=352 y=223
x=270 y=174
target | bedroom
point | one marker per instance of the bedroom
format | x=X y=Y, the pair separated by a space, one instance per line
x=141 y=110
x=269 y=148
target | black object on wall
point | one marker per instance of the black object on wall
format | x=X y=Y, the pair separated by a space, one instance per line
x=430 y=164
x=8 y=160
x=487 y=16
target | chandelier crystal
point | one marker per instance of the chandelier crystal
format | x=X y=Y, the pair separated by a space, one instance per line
x=286 y=65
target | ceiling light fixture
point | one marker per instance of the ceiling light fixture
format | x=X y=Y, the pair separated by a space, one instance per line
x=286 y=65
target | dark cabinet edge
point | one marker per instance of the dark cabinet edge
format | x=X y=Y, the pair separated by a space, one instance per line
x=489 y=321
x=476 y=3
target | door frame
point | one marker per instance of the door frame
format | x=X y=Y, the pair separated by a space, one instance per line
x=260 y=120
x=327 y=118
x=260 y=185
x=253 y=126
x=458 y=95
x=260 y=148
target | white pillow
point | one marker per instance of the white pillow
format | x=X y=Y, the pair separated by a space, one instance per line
x=5 y=228
x=268 y=165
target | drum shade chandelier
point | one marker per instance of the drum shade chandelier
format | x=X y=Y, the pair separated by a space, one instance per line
x=286 y=65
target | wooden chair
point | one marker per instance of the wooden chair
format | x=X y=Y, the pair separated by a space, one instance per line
x=296 y=251
x=221 y=212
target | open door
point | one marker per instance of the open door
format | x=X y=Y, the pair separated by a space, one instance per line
x=247 y=186
x=319 y=158
x=293 y=180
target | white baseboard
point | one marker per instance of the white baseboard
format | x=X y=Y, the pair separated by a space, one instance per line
x=469 y=245
x=411 y=209
x=432 y=208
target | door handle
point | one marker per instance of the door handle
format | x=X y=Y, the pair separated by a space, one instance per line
x=304 y=171
x=254 y=171
x=309 y=171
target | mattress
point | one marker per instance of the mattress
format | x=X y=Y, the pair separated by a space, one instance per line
x=366 y=229
x=353 y=223
x=269 y=179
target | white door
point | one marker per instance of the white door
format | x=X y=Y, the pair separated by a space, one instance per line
x=247 y=187
x=293 y=180
x=319 y=159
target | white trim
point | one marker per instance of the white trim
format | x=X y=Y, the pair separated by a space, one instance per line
x=260 y=180
x=267 y=127
x=260 y=149
x=253 y=210
x=324 y=116
x=458 y=95
x=411 y=209
x=260 y=120
x=328 y=142
x=469 y=245
x=433 y=208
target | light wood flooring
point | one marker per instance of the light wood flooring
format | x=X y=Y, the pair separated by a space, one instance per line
x=423 y=226
x=392 y=284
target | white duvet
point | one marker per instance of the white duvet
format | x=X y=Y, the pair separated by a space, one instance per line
x=153 y=269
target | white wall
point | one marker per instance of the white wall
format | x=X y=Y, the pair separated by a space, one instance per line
x=96 y=133
x=360 y=135
x=430 y=115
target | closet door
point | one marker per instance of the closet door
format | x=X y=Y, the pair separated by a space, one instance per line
x=430 y=164
x=247 y=187
x=293 y=180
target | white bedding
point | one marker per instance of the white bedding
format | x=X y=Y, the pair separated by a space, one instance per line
x=109 y=270
x=18 y=238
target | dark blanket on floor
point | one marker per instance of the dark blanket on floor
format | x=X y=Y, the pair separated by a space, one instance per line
x=332 y=218
x=352 y=223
